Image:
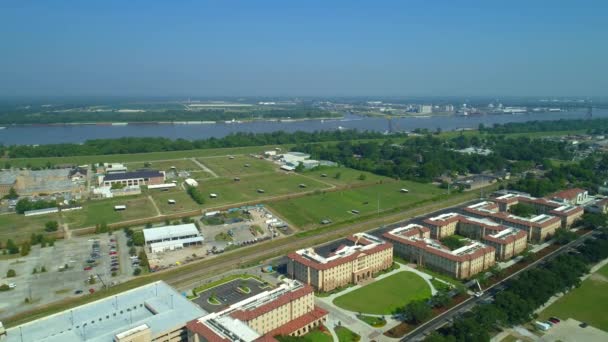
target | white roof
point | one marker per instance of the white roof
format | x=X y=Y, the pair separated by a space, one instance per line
x=170 y=231
x=176 y=242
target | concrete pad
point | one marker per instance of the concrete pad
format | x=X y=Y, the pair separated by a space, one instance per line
x=569 y=331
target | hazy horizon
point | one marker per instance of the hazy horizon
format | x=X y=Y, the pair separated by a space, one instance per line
x=275 y=48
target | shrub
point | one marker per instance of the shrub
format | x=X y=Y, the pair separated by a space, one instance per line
x=11 y=273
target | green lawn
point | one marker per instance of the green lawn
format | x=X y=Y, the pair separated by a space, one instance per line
x=98 y=211
x=165 y=165
x=19 y=227
x=383 y=297
x=347 y=176
x=374 y=321
x=183 y=201
x=307 y=212
x=273 y=184
x=226 y=167
x=588 y=303
x=315 y=335
x=346 y=335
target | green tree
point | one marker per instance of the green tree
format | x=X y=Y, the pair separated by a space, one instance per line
x=12 y=194
x=51 y=226
x=300 y=167
x=362 y=177
x=522 y=210
x=25 y=248
x=417 y=311
x=137 y=271
x=11 y=247
x=11 y=273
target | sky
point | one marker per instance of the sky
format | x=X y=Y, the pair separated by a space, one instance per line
x=303 y=48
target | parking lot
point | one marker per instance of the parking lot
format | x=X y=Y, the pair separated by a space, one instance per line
x=85 y=257
x=229 y=294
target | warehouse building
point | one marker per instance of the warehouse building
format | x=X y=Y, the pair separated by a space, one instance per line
x=170 y=238
x=154 y=312
x=135 y=178
x=461 y=263
x=356 y=259
x=288 y=310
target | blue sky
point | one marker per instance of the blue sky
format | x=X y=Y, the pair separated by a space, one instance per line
x=326 y=48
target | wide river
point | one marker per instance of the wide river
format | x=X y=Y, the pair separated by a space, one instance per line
x=29 y=135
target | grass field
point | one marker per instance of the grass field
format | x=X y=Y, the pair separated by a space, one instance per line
x=383 y=297
x=226 y=167
x=307 y=212
x=19 y=227
x=96 y=212
x=165 y=165
x=588 y=303
x=347 y=176
x=183 y=201
x=273 y=184
x=346 y=335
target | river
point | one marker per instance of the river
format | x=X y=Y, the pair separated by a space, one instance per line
x=30 y=135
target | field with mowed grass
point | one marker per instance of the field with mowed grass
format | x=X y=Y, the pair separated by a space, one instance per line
x=97 y=211
x=165 y=165
x=238 y=166
x=587 y=303
x=345 y=176
x=383 y=297
x=273 y=184
x=308 y=211
x=183 y=201
x=19 y=227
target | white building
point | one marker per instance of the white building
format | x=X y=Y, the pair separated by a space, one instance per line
x=169 y=238
x=191 y=182
x=425 y=109
x=294 y=158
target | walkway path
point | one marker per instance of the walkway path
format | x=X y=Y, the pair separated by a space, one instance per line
x=158 y=213
x=205 y=168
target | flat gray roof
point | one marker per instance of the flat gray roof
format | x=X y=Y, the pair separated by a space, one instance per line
x=157 y=305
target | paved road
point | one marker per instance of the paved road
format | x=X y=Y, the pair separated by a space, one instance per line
x=422 y=331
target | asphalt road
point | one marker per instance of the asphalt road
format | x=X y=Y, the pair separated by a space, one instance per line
x=447 y=317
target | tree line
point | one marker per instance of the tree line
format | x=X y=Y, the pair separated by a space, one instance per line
x=426 y=157
x=595 y=126
x=146 y=144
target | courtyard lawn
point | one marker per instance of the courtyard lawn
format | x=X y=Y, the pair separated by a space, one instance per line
x=315 y=335
x=307 y=212
x=384 y=296
x=183 y=201
x=587 y=303
x=19 y=227
x=97 y=211
x=346 y=335
x=165 y=165
x=346 y=176
x=274 y=184
x=226 y=167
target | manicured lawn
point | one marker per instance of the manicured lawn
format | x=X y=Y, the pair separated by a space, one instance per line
x=183 y=201
x=315 y=335
x=226 y=167
x=588 y=303
x=19 y=227
x=346 y=335
x=273 y=184
x=97 y=211
x=165 y=165
x=307 y=212
x=347 y=176
x=603 y=271
x=374 y=321
x=383 y=297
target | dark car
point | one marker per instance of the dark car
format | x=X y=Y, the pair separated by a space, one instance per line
x=554 y=320
x=113 y=269
x=583 y=325
x=78 y=292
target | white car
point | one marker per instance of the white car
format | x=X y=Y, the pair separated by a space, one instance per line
x=12 y=285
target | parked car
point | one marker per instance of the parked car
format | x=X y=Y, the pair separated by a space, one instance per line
x=554 y=320
x=78 y=292
x=12 y=285
x=583 y=325
x=88 y=268
x=113 y=253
